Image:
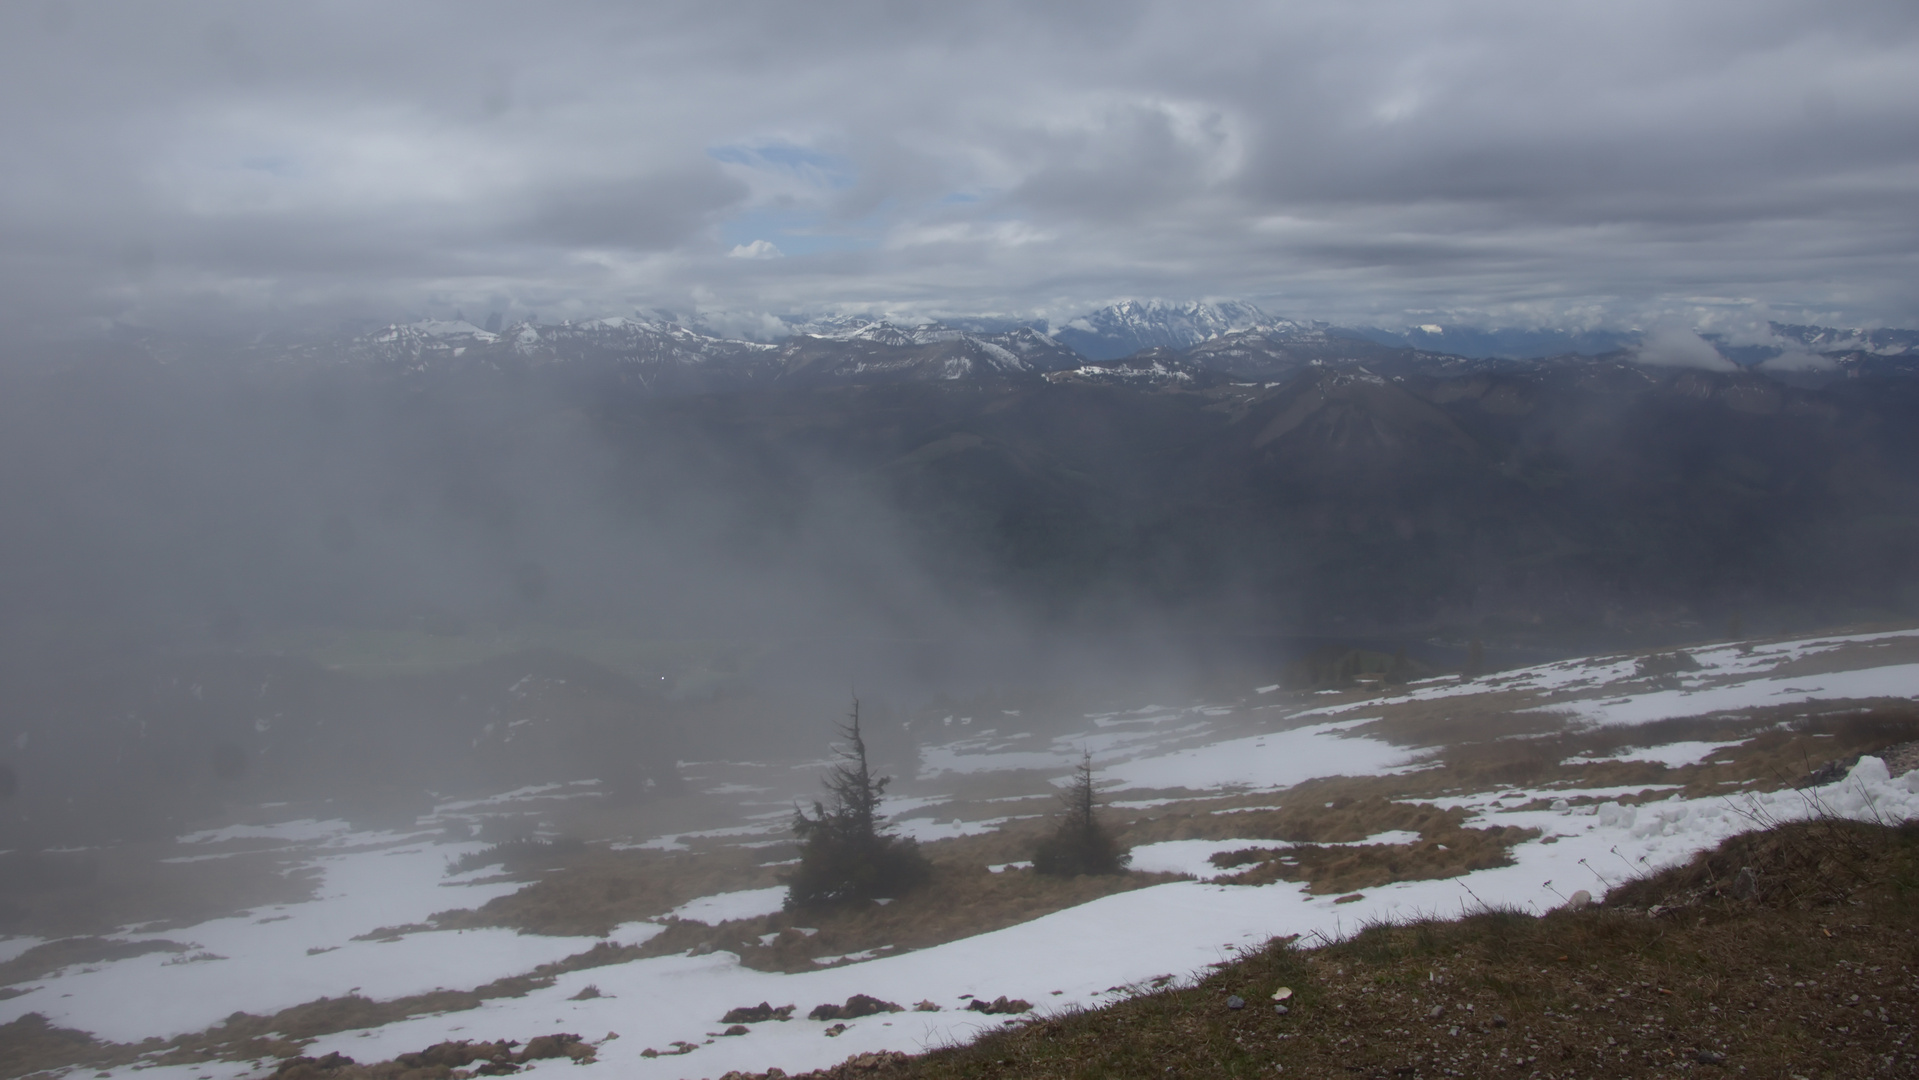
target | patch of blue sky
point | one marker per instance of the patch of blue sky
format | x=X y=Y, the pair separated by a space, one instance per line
x=801 y=232
x=813 y=167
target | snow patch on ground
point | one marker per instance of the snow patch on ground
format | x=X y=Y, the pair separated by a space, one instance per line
x=1672 y=755
x=1898 y=680
x=1195 y=856
x=635 y=933
x=305 y=830
x=1741 y=667
x=307 y=952
x=745 y=904
x=1190 y=856
x=1276 y=760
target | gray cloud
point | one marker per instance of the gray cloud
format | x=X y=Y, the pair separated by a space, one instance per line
x=1798 y=359
x=1676 y=346
x=646 y=212
x=1620 y=163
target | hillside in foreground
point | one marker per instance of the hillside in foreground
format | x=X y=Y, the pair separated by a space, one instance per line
x=279 y=934
x=1789 y=951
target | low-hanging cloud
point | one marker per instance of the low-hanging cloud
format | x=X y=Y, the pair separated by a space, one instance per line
x=1797 y=358
x=1681 y=348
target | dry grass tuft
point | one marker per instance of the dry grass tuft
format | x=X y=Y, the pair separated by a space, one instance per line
x=1803 y=865
x=597 y=889
x=1349 y=869
x=1304 y=819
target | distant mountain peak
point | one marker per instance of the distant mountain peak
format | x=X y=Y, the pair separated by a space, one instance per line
x=1125 y=328
x=1824 y=339
x=886 y=332
x=457 y=331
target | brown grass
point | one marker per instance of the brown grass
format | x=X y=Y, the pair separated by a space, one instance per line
x=1349 y=869
x=598 y=889
x=54 y=955
x=1853 y=657
x=1302 y=819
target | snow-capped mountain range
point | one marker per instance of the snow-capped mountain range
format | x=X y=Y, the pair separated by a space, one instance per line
x=1226 y=339
x=1825 y=339
x=667 y=341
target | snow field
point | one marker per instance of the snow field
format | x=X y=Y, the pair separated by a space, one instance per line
x=745 y=904
x=263 y=960
x=1276 y=760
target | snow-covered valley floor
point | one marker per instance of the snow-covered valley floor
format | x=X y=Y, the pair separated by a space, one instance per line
x=1634 y=789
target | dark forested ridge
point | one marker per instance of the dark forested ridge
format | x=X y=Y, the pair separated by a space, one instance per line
x=1389 y=493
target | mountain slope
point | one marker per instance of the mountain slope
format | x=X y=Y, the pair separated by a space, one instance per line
x=1277 y=352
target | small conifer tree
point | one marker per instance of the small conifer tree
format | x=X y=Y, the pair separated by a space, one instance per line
x=1080 y=845
x=845 y=854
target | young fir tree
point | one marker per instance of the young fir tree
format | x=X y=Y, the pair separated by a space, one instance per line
x=1475 y=660
x=1081 y=845
x=845 y=854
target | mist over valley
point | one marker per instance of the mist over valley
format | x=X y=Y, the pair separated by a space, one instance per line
x=724 y=537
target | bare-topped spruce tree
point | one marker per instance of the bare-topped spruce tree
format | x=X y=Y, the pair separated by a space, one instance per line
x=845 y=854
x=1081 y=845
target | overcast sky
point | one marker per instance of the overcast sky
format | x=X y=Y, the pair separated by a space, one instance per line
x=1526 y=163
